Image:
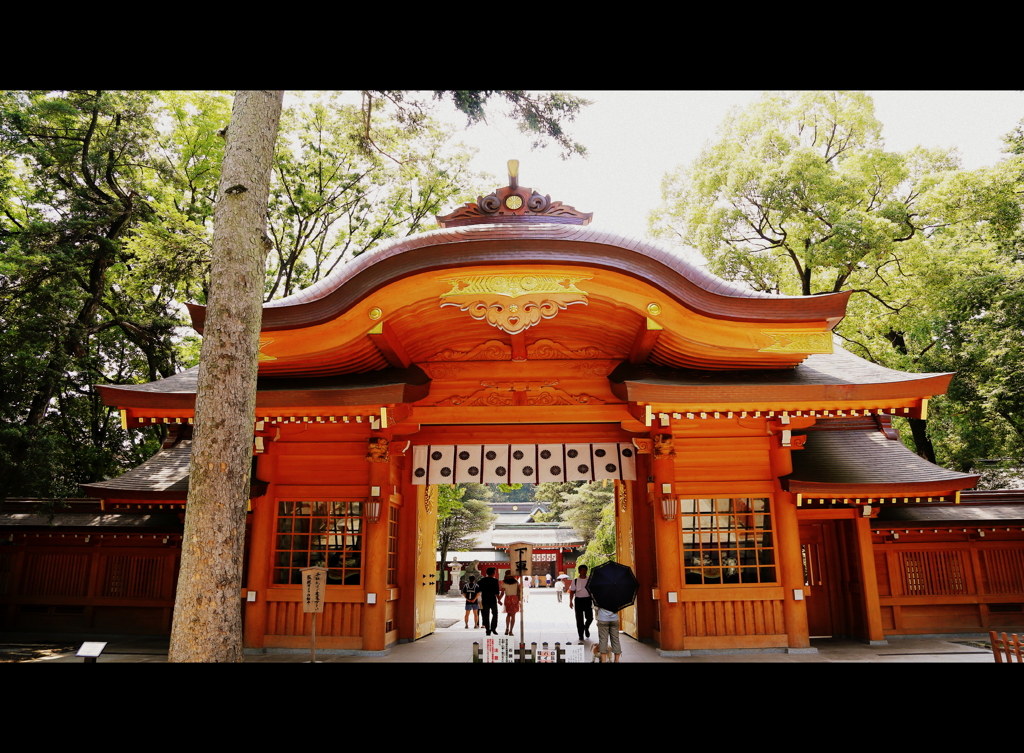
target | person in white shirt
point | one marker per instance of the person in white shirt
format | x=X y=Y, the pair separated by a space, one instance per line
x=581 y=601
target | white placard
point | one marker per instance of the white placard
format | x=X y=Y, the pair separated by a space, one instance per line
x=91 y=648
x=574 y=654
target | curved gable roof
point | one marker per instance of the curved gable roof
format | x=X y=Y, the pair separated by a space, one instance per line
x=538 y=243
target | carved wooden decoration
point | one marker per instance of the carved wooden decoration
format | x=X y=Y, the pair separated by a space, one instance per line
x=513 y=303
x=545 y=349
x=664 y=447
x=594 y=368
x=492 y=350
x=529 y=393
x=644 y=445
x=377 y=450
x=799 y=342
x=514 y=203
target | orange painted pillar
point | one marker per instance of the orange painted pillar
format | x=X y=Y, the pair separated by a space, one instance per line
x=668 y=542
x=645 y=568
x=375 y=561
x=869 y=580
x=261 y=552
x=791 y=566
x=791 y=570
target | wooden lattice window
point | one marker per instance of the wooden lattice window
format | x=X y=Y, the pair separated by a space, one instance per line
x=727 y=540
x=133 y=576
x=933 y=573
x=319 y=534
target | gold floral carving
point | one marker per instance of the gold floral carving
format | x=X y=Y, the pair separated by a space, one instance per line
x=492 y=350
x=531 y=298
x=377 y=450
x=513 y=286
x=544 y=350
x=664 y=447
x=799 y=342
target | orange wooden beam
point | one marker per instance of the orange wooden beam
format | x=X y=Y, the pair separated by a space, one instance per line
x=644 y=342
x=389 y=345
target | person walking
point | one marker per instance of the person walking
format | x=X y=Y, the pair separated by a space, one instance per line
x=490 y=597
x=560 y=586
x=471 y=591
x=581 y=601
x=608 y=628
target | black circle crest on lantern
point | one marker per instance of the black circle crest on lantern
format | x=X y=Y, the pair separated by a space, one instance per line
x=527 y=470
x=491 y=455
x=436 y=455
x=501 y=470
x=421 y=472
x=463 y=455
x=582 y=468
x=610 y=468
x=627 y=453
x=473 y=470
x=600 y=453
x=446 y=472
x=545 y=454
x=555 y=470
x=573 y=453
x=518 y=455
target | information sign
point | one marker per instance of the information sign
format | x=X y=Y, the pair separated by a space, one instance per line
x=313 y=581
x=498 y=650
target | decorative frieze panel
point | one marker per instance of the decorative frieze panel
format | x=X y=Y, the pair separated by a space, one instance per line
x=534 y=393
x=523 y=463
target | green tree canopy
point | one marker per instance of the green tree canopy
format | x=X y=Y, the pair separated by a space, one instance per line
x=106 y=219
x=799 y=196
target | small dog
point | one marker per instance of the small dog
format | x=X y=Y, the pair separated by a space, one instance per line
x=596 y=650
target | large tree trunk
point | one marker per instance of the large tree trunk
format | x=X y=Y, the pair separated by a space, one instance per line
x=208 y=611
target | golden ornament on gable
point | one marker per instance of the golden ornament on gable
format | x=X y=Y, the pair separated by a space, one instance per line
x=535 y=297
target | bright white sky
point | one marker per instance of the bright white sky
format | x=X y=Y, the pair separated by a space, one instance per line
x=634 y=138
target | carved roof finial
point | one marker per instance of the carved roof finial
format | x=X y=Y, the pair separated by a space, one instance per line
x=514 y=203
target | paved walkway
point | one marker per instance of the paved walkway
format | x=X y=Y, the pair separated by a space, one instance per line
x=547 y=620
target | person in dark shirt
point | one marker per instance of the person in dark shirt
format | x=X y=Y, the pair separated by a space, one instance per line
x=490 y=597
x=472 y=593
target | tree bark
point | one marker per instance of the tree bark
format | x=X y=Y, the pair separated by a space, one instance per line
x=207 y=623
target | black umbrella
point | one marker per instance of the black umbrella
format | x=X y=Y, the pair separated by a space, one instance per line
x=613 y=586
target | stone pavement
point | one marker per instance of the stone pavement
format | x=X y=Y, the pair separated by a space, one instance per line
x=547 y=620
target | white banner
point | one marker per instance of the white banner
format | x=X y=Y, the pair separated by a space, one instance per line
x=523 y=463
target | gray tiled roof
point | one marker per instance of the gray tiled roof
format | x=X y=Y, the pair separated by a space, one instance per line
x=164 y=472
